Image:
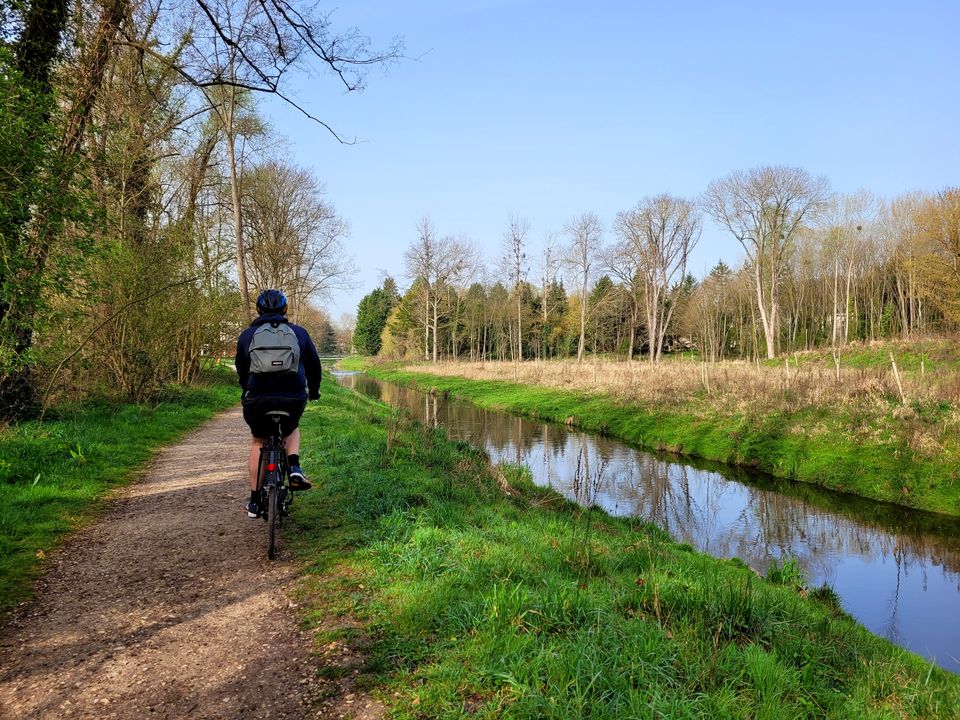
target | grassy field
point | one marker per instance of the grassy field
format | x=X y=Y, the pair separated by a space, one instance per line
x=53 y=472
x=854 y=435
x=469 y=592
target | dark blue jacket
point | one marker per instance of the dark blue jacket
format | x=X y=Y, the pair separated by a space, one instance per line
x=306 y=383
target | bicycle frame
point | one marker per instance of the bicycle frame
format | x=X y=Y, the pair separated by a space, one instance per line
x=274 y=494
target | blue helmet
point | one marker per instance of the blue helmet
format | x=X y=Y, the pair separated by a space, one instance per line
x=272 y=302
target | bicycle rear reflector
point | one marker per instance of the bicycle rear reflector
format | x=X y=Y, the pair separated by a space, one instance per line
x=271 y=467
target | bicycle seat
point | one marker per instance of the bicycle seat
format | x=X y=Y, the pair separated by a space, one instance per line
x=277 y=414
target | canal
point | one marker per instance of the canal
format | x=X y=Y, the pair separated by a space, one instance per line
x=896 y=570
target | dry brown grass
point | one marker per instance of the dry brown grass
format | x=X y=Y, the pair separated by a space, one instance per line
x=730 y=387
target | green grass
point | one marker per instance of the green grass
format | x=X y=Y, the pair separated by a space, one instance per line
x=911 y=356
x=832 y=448
x=472 y=603
x=354 y=362
x=53 y=472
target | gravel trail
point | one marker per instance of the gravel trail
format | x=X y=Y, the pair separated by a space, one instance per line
x=167 y=606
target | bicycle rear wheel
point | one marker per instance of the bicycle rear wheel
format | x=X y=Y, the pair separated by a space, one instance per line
x=273 y=520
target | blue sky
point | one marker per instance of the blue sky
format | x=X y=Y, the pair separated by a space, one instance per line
x=550 y=109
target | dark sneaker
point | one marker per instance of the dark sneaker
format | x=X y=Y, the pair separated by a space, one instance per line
x=253 y=509
x=298 y=481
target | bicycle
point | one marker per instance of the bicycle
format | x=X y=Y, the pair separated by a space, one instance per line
x=275 y=496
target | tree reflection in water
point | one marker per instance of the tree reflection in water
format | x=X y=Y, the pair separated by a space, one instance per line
x=896 y=570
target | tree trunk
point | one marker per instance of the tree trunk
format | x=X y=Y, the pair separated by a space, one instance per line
x=436 y=307
x=426 y=325
x=836 y=298
x=846 y=308
x=231 y=136
x=519 y=333
x=35 y=53
x=767 y=321
x=583 y=322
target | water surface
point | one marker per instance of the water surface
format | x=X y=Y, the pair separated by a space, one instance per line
x=896 y=570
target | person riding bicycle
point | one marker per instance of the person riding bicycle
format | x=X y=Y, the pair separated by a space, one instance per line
x=279 y=369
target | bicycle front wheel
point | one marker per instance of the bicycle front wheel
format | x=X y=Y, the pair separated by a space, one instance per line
x=273 y=521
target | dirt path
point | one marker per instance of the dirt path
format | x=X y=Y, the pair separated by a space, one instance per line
x=167 y=608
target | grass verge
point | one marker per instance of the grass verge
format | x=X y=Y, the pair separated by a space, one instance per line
x=469 y=601
x=53 y=472
x=828 y=446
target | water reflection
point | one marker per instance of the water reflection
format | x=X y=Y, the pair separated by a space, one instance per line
x=897 y=571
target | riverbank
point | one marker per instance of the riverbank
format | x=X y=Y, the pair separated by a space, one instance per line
x=461 y=590
x=435 y=585
x=55 y=472
x=850 y=442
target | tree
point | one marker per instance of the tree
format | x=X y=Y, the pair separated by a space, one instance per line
x=553 y=331
x=56 y=128
x=764 y=208
x=606 y=309
x=846 y=221
x=343 y=335
x=433 y=263
x=547 y=277
x=420 y=259
x=241 y=45
x=250 y=46
x=940 y=223
x=708 y=315
x=295 y=238
x=585 y=232
x=655 y=241
x=372 y=314
x=514 y=261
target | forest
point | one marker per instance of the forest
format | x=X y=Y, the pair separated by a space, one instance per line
x=143 y=196
x=819 y=269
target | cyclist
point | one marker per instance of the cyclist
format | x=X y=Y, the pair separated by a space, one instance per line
x=286 y=387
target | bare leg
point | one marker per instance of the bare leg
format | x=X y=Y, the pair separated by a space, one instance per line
x=253 y=460
x=292 y=442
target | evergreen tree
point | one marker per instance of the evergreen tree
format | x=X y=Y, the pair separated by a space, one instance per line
x=372 y=313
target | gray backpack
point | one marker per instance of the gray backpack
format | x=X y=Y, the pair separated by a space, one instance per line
x=274 y=349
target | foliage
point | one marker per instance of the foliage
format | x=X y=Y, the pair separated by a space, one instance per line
x=139 y=135
x=822 y=270
x=29 y=169
x=372 y=314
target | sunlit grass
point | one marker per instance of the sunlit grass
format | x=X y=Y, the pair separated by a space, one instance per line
x=473 y=603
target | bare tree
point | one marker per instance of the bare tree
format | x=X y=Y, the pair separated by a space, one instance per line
x=655 y=241
x=585 y=232
x=764 y=209
x=547 y=276
x=907 y=244
x=233 y=49
x=344 y=333
x=846 y=221
x=256 y=45
x=623 y=260
x=434 y=264
x=295 y=239
x=514 y=261
x=420 y=259
x=226 y=109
